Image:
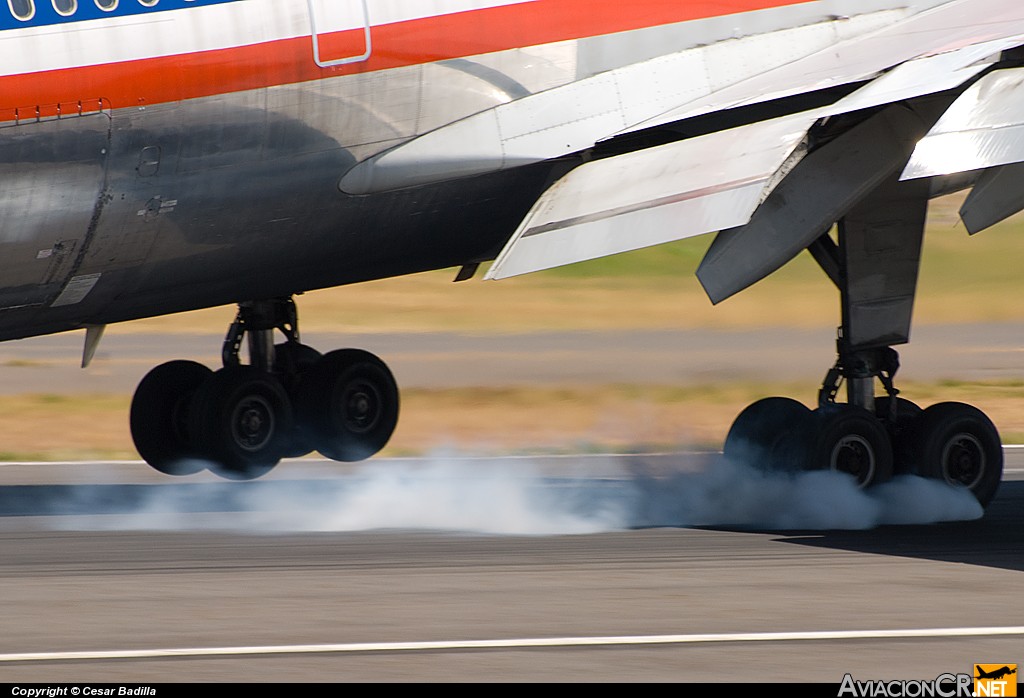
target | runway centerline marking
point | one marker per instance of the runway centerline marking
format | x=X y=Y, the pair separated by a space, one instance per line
x=518 y=643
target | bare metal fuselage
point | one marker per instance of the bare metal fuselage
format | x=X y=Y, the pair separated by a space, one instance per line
x=115 y=205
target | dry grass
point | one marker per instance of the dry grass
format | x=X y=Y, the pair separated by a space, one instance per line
x=962 y=280
x=64 y=427
x=624 y=418
x=616 y=418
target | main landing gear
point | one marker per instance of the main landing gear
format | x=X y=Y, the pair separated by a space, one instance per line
x=289 y=400
x=870 y=438
x=873 y=261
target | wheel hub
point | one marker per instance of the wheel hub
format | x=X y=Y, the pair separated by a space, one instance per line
x=362 y=403
x=853 y=454
x=963 y=460
x=252 y=425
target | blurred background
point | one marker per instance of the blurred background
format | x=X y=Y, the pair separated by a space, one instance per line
x=623 y=354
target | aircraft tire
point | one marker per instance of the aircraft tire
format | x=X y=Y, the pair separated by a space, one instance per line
x=767 y=434
x=348 y=404
x=159 y=417
x=958 y=443
x=241 y=419
x=849 y=439
x=292 y=361
x=901 y=431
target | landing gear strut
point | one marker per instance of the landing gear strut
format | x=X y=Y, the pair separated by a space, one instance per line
x=874 y=264
x=287 y=401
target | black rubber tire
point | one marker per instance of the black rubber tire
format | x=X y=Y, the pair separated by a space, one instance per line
x=292 y=361
x=768 y=434
x=159 y=417
x=901 y=431
x=959 y=444
x=348 y=405
x=241 y=419
x=846 y=438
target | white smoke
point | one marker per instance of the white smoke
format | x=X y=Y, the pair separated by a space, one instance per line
x=732 y=495
x=494 y=498
x=516 y=497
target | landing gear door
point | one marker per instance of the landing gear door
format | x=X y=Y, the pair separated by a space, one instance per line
x=340 y=30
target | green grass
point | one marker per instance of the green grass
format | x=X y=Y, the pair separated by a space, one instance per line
x=666 y=260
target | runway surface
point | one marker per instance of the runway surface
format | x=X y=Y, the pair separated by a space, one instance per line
x=645 y=568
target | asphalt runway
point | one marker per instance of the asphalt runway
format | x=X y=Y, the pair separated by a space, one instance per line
x=112 y=573
x=439 y=360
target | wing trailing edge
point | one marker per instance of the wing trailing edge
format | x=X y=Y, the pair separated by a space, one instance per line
x=580 y=217
x=653 y=196
x=996 y=195
x=983 y=128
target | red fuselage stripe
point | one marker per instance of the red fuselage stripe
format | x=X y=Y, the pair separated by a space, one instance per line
x=172 y=78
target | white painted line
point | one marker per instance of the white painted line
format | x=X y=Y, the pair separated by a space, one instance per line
x=513 y=643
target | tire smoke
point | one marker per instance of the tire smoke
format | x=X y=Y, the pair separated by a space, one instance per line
x=737 y=496
x=524 y=497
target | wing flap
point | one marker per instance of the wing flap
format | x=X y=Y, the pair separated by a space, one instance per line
x=819 y=191
x=949 y=27
x=653 y=196
x=983 y=128
x=996 y=196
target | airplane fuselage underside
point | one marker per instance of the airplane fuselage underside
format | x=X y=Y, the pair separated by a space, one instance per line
x=120 y=245
x=126 y=194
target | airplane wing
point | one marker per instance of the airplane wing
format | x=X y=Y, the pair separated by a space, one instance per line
x=573 y=117
x=650 y=191
x=856 y=137
x=655 y=195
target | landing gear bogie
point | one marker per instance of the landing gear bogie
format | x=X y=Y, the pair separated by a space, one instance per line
x=949 y=441
x=241 y=421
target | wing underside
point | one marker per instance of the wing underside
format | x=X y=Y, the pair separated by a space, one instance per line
x=771 y=139
x=937 y=95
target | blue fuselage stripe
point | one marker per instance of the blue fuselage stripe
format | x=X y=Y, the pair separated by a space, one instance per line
x=46 y=15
